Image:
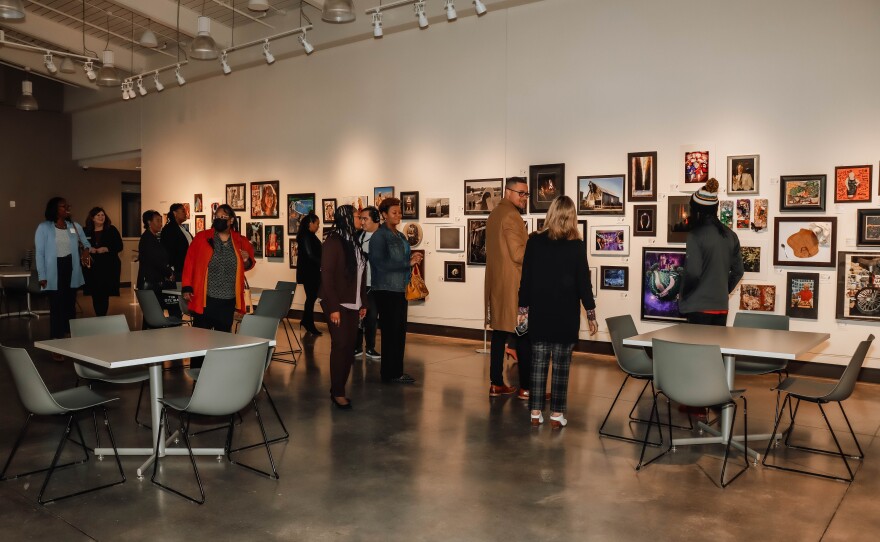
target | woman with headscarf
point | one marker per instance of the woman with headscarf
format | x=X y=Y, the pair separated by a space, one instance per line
x=343 y=297
x=308 y=268
x=102 y=278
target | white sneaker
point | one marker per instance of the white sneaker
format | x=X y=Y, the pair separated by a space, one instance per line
x=558 y=421
x=537 y=420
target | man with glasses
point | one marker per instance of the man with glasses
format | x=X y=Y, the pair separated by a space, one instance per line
x=368 y=223
x=505 y=246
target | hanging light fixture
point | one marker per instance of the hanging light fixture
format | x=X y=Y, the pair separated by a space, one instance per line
x=177 y=75
x=451 y=15
x=270 y=58
x=27 y=102
x=420 y=14
x=107 y=75
x=148 y=38
x=377 y=25
x=141 y=88
x=124 y=90
x=480 y=7
x=338 y=11
x=159 y=86
x=50 y=64
x=258 y=5
x=204 y=47
x=224 y=63
x=13 y=10
x=67 y=65
x=309 y=48
x=89 y=68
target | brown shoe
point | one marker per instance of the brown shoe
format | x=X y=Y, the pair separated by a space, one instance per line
x=523 y=394
x=57 y=357
x=495 y=391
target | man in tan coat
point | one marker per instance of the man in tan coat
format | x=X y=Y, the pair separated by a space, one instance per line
x=505 y=246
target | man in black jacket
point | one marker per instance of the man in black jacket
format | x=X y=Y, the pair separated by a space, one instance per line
x=176 y=239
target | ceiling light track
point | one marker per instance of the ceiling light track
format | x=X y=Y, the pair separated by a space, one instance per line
x=244 y=13
x=138 y=78
x=261 y=41
x=43 y=50
x=419 y=8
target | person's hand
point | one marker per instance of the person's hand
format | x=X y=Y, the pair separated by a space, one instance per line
x=520 y=318
x=415 y=259
x=335 y=318
x=593 y=324
x=103 y=250
x=43 y=284
x=93 y=250
x=362 y=313
x=244 y=255
x=188 y=296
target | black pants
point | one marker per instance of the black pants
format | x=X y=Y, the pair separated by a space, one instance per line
x=707 y=319
x=101 y=303
x=342 y=349
x=308 y=318
x=218 y=314
x=368 y=330
x=392 y=307
x=523 y=354
x=62 y=301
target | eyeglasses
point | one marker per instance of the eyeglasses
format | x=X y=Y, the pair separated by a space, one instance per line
x=522 y=194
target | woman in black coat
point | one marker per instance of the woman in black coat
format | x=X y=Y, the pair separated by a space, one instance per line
x=153 y=265
x=308 y=267
x=102 y=278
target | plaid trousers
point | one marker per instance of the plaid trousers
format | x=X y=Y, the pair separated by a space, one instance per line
x=560 y=353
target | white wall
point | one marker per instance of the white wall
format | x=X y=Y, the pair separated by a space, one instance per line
x=575 y=81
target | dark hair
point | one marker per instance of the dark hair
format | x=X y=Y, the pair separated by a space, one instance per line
x=173 y=209
x=343 y=226
x=307 y=220
x=148 y=216
x=52 y=208
x=229 y=212
x=387 y=204
x=374 y=213
x=90 y=222
x=706 y=214
x=513 y=181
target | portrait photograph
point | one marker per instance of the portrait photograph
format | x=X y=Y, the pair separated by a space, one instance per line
x=661 y=276
x=187 y=210
x=358 y=202
x=197 y=204
x=409 y=205
x=476 y=241
x=235 y=196
x=453 y=271
x=869 y=227
x=645 y=220
x=858 y=286
x=264 y=199
x=614 y=277
x=725 y=212
x=802 y=193
x=757 y=297
x=545 y=183
x=601 y=195
x=380 y=193
x=299 y=205
x=413 y=233
x=438 y=208
x=274 y=241
x=450 y=238
x=678 y=226
x=292 y=253
x=200 y=223
x=742 y=174
x=802 y=300
x=805 y=241
x=751 y=259
x=609 y=240
x=254 y=234
x=743 y=214
x=329 y=207
x=482 y=195
x=642 y=185
x=852 y=184
x=696 y=167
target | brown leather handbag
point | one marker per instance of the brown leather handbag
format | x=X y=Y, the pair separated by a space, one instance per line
x=416 y=289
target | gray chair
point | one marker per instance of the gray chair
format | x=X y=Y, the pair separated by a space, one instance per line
x=286 y=323
x=154 y=315
x=39 y=401
x=230 y=379
x=693 y=375
x=823 y=392
x=755 y=366
x=276 y=304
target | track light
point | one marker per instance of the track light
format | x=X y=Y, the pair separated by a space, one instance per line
x=180 y=80
x=141 y=88
x=480 y=7
x=203 y=46
x=131 y=93
x=124 y=90
x=224 y=63
x=27 y=102
x=269 y=57
x=377 y=25
x=305 y=43
x=107 y=75
x=50 y=65
x=89 y=68
x=451 y=15
x=420 y=14
x=159 y=86
x=67 y=65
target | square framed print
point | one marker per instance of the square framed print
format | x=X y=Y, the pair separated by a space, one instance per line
x=200 y=223
x=235 y=196
x=802 y=295
x=329 y=207
x=696 y=167
x=757 y=297
x=601 y=195
x=438 y=208
x=852 y=184
x=661 y=275
x=742 y=174
x=380 y=193
x=254 y=234
x=264 y=199
x=449 y=238
x=751 y=259
x=197 y=203
x=802 y=193
x=298 y=205
x=545 y=183
x=482 y=195
x=678 y=225
x=646 y=221
x=614 y=277
x=805 y=241
x=869 y=228
x=476 y=241
x=358 y=202
x=409 y=205
x=292 y=253
x=858 y=286
x=274 y=241
x=453 y=271
x=642 y=185
x=609 y=240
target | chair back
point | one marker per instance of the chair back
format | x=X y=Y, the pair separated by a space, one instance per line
x=264 y=327
x=99 y=325
x=229 y=380
x=274 y=303
x=154 y=316
x=691 y=374
x=847 y=382
x=756 y=320
x=33 y=284
x=32 y=390
x=632 y=359
x=286 y=286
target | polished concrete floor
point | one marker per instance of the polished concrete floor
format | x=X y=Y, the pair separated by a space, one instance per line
x=438 y=460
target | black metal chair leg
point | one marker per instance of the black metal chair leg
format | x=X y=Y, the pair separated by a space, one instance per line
x=729 y=440
x=273 y=440
x=184 y=431
x=137 y=409
x=15 y=446
x=604 y=433
x=655 y=410
x=265 y=443
x=54 y=463
x=18 y=441
x=852 y=433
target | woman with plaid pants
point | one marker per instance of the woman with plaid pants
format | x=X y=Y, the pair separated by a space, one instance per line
x=555 y=283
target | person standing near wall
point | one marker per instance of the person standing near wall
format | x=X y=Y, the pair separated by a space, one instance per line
x=370 y=221
x=308 y=268
x=154 y=267
x=102 y=278
x=176 y=239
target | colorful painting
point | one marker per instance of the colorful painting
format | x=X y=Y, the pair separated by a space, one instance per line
x=751 y=259
x=757 y=297
x=803 y=295
x=858 y=286
x=614 y=278
x=601 y=195
x=759 y=222
x=743 y=214
x=298 y=205
x=358 y=202
x=264 y=199
x=545 y=183
x=642 y=184
x=661 y=275
x=805 y=241
x=696 y=167
x=200 y=223
x=725 y=212
x=274 y=241
x=329 y=207
x=197 y=203
x=382 y=192
x=254 y=234
x=802 y=193
x=609 y=240
x=293 y=253
x=852 y=184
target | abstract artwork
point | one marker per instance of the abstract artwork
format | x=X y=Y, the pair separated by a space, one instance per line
x=661 y=275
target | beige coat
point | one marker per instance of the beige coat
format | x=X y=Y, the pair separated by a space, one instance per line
x=505 y=246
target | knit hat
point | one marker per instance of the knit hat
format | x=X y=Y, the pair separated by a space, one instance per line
x=708 y=195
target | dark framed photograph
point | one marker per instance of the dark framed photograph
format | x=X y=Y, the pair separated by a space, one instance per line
x=274 y=241
x=869 y=228
x=358 y=202
x=858 y=286
x=601 y=194
x=197 y=204
x=646 y=221
x=298 y=205
x=802 y=299
x=802 y=192
x=696 y=167
x=438 y=208
x=200 y=223
x=254 y=234
x=454 y=271
x=742 y=174
x=614 y=277
x=582 y=224
x=329 y=207
x=853 y=184
x=805 y=241
x=380 y=193
x=751 y=259
x=661 y=275
x=409 y=205
x=476 y=241
x=292 y=253
x=236 y=224
x=545 y=183
x=679 y=213
x=642 y=185
x=449 y=238
x=482 y=195
x=264 y=199
x=609 y=241
x=235 y=196
x=413 y=233
x=214 y=207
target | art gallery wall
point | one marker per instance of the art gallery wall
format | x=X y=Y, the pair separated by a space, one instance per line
x=582 y=82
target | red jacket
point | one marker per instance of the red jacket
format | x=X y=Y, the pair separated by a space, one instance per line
x=195 y=269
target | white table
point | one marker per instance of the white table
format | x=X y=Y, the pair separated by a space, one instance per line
x=9 y=272
x=733 y=341
x=151 y=347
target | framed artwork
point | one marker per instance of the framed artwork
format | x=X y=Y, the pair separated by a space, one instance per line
x=594 y=281
x=852 y=184
x=527 y=222
x=742 y=174
x=482 y=195
x=757 y=297
x=380 y=193
x=679 y=215
x=236 y=224
x=696 y=167
x=539 y=225
x=197 y=203
x=413 y=233
x=802 y=295
x=450 y=238
x=264 y=199
x=358 y=202
x=421 y=265
x=725 y=213
x=642 y=185
x=609 y=240
x=329 y=207
x=438 y=209
x=869 y=228
x=751 y=259
x=858 y=286
x=454 y=271
x=325 y=231
x=235 y=196
x=760 y=211
x=476 y=241
x=409 y=205
x=661 y=275
x=545 y=183
x=614 y=278
x=805 y=241
x=743 y=214
x=601 y=195
x=646 y=221
x=186 y=226
x=298 y=205
x=802 y=193
x=582 y=224
x=254 y=234
x=186 y=208
x=214 y=207
x=274 y=241
x=292 y=253
x=200 y=223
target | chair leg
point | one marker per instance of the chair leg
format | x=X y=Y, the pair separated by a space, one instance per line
x=18 y=442
x=278 y=355
x=15 y=446
x=655 y=410
x=184 y=431
x=265 y=443
x=137 y=409
x=852 y=433
x=54 y=463
x=604 y=433
x=273 y=440
x=745 y=443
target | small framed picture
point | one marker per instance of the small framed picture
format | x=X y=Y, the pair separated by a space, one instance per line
x=858 y=286
x=186 y=208
x=235 y=196
x=482 y=195
x=200 y=223
x=802 y=295
x=869 y=228
x=742 y=174
x=197 y=204
x=751 y=259
x=677 y=224
x=539 y=225
x=757 y=297
x=646 y=221
x=582 y=225
x=609 y=240
x=274 y=241
x=254 y=234
x=743 y=214
x=292 y=253
x=805 y=241
x=545 y=183
x=438 y=209
x=380 y=193
x=802 y=193
x=409 y=205
x=299 y=205
x=601 y=194
x=852 y=184
x=454 y=271
x=725 y=212
x=236 y=224
x=413 y=233
x=661 y=277
x=696 y=167
x=329 y=207
x=614 y=277
x=450 y=238
x=358 y=202
x=476 y=241
x=760 y=214
x=264 y=199
x=214 y=207
x=642 y=185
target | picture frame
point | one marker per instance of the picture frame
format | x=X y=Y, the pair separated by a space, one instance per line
x=235 y=196
x=743 y=213
x=613 y=277
x=868 y=221
x=298 y=205
x=482 y=195
x=265 y=199
x=751 y=257
x=645 y=218
x=661 y=276
x=594 y=281
x=274 y=239
x=802 y=295
x=476 y=241
x=642 y=176
x=677 y=226
x=760 y=212
x=292 y=253
x=610 y=240
x=236 y=224
x=438 y=208
x=413 y=233
x=858 y=286
x=449 y=238
x=582 y=225
x=380 y=193
x=852 y=184
x=328 y=207
x=409 y=205
x=454 y=271
x=696 y=167
x=198 y=203
x=214 y=207
x=809 y=241
x=757 y=297
x=802 y=193
x=743 y=174
x=187 y=211
x=545 y=183
x=725 y=212
x=539 y=225
x=601 y=194
x=254 y=234
x=358 y=202
x=200 y=223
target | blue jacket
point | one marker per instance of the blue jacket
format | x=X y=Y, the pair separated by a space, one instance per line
x=389 y=260
x=47 y=254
